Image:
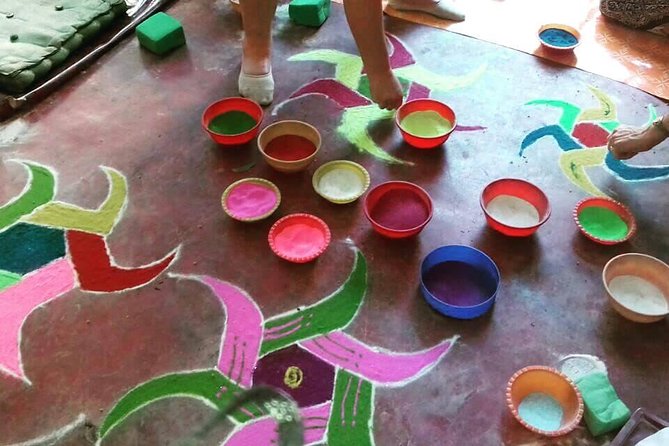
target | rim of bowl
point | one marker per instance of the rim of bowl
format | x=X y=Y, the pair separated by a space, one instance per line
x=236 y=98
x=630 y=232
x=255 y=180
x=399 y=231
x=514 y=410
x=564 y=27
x=492 y=262
x=631 y=254
x=290 y=162
x=317 y=175
x=543 y=220
x=300 y=259
x=426 y=138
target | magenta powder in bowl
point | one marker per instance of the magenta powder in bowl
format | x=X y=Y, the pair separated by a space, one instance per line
x=251 y=199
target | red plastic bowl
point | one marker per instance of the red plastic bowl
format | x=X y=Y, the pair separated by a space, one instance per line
x=233 y=104
x=299 y=238
x=418 y=105
x=398 y=209
x=623 y=212
x=520 y=189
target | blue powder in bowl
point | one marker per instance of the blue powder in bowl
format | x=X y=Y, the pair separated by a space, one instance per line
x=541 y=411
x=558 y=37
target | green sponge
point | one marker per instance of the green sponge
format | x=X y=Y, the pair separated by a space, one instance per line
x=160 y=33
x=309 y=12
x=604 y=412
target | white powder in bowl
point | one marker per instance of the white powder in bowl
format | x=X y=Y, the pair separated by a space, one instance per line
x=341 y=184
x=513 y=211
x=639 y=295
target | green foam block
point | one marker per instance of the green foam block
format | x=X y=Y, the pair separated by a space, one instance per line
x=160 y=33
x=309 y=12
x=604 y=411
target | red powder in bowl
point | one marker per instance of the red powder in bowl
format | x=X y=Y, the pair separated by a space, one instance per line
x=290 y=148
x=400 y=210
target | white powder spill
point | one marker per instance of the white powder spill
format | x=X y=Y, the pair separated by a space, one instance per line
x=513 y=211
x=341 y=184
x=639 y=295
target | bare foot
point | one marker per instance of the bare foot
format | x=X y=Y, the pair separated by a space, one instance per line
x=626 y=142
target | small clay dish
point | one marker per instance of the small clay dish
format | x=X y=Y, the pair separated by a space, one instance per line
x=606 y=204
x=341 y=181
x=635 y=285
x=299 y=238
x=510 y=217
x=550 y=382
x=289 y=146
x=459 y=281
x=243 y=107
x=423 y=105
x=398 y=209
x=559 y=37
x=251 y=199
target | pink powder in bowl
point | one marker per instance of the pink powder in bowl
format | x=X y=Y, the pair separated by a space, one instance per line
x=249 y=201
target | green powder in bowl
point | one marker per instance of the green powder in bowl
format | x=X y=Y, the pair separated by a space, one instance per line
x=426 y=124
x=603 y=223
x=232 y=123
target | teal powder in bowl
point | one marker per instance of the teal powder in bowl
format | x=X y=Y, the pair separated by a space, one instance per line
x=541 y=411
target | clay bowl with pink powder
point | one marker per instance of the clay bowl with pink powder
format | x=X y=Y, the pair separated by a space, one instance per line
x=398 y=209
x=289 y=146
x=299 y=238
x=459 y=281
x=251 y=199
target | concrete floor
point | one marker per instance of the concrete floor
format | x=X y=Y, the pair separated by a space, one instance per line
x=140 y=114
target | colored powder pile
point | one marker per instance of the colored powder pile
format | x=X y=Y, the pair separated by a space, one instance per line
x=513 y=211
x=541 y=411
x=426 y=124
x=249 y=200
x=459 y=284
x=558 y=37
x=603 y=223
x=232 y=123
x=290 y=148
x=400 y=210
x=341 y=184
x=299 y=239
x=639 y=295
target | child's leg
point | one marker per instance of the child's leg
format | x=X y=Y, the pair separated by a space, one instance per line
x=255 y=79
x=444 y=9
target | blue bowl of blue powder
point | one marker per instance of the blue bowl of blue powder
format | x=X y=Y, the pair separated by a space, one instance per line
x=559 y=37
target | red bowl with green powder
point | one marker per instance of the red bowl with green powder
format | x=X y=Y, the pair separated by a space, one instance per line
x=425 y=123
x=604 y=220
x=398 y=209
x=232 y=121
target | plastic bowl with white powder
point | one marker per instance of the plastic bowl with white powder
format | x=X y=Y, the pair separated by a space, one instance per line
x=341 y=181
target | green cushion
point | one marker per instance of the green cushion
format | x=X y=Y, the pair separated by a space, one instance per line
x=604 y=411
x=37 y=35
x=309 y=12
x=161 y=33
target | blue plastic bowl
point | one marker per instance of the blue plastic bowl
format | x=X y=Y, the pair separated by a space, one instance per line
x=459 y=281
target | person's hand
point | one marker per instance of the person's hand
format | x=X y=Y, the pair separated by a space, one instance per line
x=386 y=90
x=626 y=142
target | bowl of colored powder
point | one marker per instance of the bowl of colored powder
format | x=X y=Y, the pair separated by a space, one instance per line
x=341 y=181
x=289 y=146
x=559 y=37
x=459 y=281
x=425 y=123
x=638 y=287
x=398 y=209
x=299 y=238
x=604 y=220
x=251 y=199
x=514 y=207
x=544 y=401
x=232 y=121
